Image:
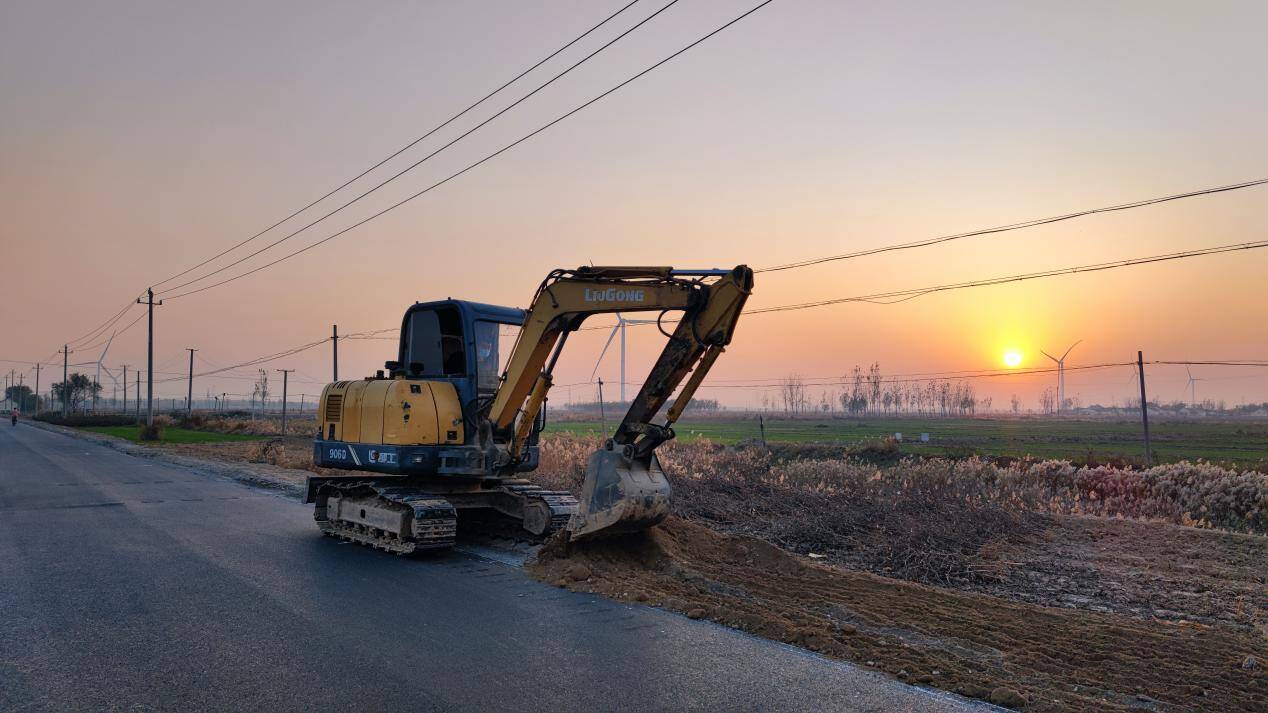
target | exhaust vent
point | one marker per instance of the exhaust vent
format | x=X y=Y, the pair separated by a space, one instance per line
x=334 y=407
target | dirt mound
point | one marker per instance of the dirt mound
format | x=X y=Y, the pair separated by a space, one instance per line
x=1017 y=654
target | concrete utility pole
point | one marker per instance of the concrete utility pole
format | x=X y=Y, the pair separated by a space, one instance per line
x=189 y=399
x=149 y=364
x=1144 y=404
x=138 y=393
x=223 y=397
x=65 y=391
x=285 y=373
x=334 y=346
x=125 y=389
x=37 y=389
x=603 y=419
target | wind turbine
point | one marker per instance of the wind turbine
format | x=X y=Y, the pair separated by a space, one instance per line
x=1193 y=399
x=621 y=322
x=1061 y=373
x=98 y=380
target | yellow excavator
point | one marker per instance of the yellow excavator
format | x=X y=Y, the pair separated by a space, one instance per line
x=449 y=426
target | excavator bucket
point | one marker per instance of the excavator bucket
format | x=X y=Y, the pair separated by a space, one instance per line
x=620 y=495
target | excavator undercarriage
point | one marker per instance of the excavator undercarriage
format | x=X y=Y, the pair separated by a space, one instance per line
x=446 y=431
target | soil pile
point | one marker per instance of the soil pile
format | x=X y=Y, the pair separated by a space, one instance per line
x=1013 y=653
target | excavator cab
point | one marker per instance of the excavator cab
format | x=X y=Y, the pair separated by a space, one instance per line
x=457 y=341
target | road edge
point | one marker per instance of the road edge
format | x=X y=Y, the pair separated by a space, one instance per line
x=245 y=476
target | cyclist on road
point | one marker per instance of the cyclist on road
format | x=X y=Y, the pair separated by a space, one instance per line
x=14 y=415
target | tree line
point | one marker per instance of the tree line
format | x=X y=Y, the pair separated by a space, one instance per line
x=869 y=392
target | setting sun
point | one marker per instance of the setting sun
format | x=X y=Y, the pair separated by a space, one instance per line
x=1012 y=358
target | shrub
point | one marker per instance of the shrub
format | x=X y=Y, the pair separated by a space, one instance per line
x=152 y=431
x=274 y=452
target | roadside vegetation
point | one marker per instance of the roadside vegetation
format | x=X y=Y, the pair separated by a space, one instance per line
x=1033 y=585
x=169 y=434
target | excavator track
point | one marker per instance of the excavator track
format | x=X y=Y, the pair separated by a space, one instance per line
x=556 y=507
x=406 y=519
x=401 y=520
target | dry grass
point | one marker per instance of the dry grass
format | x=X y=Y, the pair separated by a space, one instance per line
x=707 y=476
x=270 y=425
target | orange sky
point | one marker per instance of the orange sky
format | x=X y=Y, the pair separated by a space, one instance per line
x=141 y=138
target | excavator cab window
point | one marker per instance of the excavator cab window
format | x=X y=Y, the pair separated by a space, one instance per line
x=436 y=346
x=488 y=362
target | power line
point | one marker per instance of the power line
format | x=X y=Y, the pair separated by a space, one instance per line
x=408 y=146
x=1015 y=226
x=256 y=361
x=115 y=318
x=897 y=296
x=424 y=159
x=130 y=325
x=487 y=158
x=105 y=325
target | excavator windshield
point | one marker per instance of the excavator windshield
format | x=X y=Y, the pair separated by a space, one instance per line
x=493 y=343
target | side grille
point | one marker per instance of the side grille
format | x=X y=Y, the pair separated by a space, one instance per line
x=334 y=407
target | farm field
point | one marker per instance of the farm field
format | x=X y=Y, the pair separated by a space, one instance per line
x=1233 y=443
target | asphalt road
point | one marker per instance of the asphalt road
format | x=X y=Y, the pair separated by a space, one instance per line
x=130 y=585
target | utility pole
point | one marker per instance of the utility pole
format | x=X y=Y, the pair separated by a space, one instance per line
x=603 y=419
x=334 y=346
x=37 y=388
x=285 y=373
x=1144 y=404
x=149 y=365
x=125 y=390
x=65 y=391
x=138 y=392
x=189 y=400
x=223 y=396
x=301 y=404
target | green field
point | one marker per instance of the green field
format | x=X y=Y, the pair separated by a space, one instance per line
x=1081 y=441
x=171 y=434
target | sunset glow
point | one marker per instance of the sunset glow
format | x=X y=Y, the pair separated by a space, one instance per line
x=644 y=186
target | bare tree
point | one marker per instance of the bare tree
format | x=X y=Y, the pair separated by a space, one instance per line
x=262 y=389
x=1048 y=400
x=793 y=391
x=1016 y=404
x=874 y=379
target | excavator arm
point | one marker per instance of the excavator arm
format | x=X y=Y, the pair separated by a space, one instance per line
x=624 y=489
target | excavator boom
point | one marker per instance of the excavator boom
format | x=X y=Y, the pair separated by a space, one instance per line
x=624 y=489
